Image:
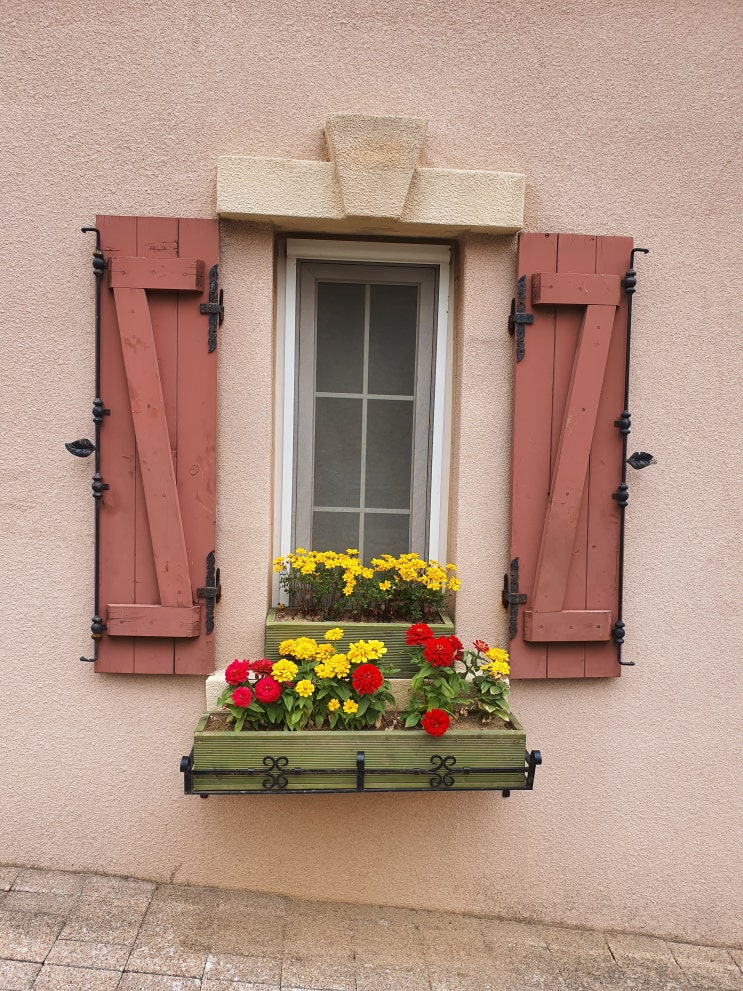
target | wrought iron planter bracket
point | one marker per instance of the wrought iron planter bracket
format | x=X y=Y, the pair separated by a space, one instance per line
x=277 y=774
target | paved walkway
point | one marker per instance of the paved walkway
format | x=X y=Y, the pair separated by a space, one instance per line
x=84 y=932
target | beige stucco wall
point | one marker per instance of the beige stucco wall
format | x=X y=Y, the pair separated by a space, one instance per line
x=622 y=117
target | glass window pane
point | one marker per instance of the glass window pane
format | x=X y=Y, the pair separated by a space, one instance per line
x=340 y=337
x=337 y=452
x=386 y=533
x=335 y=531
x=393 y=326
x=389 y=454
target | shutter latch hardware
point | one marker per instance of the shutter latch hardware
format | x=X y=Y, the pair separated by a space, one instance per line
x=512 y=598
x=519 y=318
x=212 y=592
x=215 y=307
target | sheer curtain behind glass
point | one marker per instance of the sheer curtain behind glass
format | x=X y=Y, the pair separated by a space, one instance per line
x=365 y=345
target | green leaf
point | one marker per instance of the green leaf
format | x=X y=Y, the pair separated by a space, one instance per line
x=363 y=706
x=413 y=719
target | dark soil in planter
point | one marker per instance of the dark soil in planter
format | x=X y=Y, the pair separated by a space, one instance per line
x=219 y=722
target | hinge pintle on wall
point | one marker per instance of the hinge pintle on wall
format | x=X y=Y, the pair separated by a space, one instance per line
x=212 y=591
x=519 y=318
x=215 y=307
x=512 y=598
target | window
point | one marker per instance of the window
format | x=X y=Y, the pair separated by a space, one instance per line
x=364 y=410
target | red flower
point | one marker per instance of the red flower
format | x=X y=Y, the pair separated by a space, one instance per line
x=481 y=646
x=367 y=678
x=267 y=689
x=439 y=652
x=264 y=666
x=237 y=672
x=458 y=647
x=242 y=697
x=436 y=722
x=417 y=634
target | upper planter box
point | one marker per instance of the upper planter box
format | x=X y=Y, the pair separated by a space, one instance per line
x=393 y=635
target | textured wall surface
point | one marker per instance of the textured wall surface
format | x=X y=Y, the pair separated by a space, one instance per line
x=623 y=119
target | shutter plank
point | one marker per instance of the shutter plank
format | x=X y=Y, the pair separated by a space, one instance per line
x=575 y=289
x=153 y=446
x=612 y=255
x=145 y=272
x=530 y=478
x=197 y=436
x=153 y=621
x=571 y=468
x=157 y=242
x=576 y=255
x=118 y=459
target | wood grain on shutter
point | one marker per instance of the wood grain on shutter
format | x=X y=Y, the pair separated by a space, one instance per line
x=567 y=455
x=149 y=321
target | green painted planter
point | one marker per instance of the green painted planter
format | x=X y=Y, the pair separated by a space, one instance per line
x=393 y=635
x=256 y=762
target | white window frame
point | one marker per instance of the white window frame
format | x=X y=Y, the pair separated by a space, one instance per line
x=311 y=249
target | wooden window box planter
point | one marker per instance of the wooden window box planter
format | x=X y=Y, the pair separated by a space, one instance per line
x=306 y=761
x=393 y=635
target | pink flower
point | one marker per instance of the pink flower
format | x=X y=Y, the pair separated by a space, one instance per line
x=242 y=697
x=439 y=652
x=267 y=689
x=237 y=672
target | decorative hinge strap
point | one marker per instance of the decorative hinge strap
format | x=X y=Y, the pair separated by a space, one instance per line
x=212 y=591
x=519 y=318
x=215 y=307
x=512 y=598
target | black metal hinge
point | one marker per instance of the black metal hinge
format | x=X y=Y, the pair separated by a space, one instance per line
x=512 y=598
x=519 y=318
x=215 y=307
x=212 y=591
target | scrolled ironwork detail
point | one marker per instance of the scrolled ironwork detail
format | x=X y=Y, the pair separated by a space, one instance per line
x=442 y=765
x=640 y=460
x=82 y=448
x=275 y=777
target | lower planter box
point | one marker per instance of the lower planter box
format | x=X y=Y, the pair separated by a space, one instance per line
x=279 y=628
x=270 y=762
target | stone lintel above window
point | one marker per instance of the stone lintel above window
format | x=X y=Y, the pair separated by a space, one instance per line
x=371 y=185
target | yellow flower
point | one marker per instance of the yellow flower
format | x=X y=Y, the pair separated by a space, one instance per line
x=333 y=704
x=351 y=550
x=340 y=665
x=496 y=668
x=454 y=584
x=497 y=654
x=303 y=648
x=335 y=634
x=385 y=585
x=305 y=688
x=284 y=670
x=325 y=670
x=324 y=651
x=349 y=707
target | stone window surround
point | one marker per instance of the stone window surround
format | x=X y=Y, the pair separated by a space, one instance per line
x=370 y=185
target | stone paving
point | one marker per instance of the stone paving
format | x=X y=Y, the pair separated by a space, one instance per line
x=83 y=932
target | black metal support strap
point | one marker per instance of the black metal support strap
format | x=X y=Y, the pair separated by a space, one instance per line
x=519 y=318
x=640 y=459
x=214 y=308
x=83 y=448
x=512 y=598
x=212 y=590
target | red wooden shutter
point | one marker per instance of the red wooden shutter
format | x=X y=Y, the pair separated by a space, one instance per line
x=158 y=445
x=567 y=455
